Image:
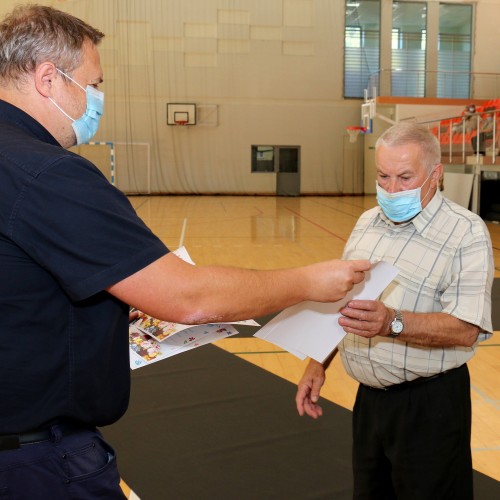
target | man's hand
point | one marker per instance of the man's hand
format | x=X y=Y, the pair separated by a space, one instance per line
x=329 y=281
x=309 y=388
x=133 y=314
x=366 y=318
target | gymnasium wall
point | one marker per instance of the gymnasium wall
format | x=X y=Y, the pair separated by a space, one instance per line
x=262 y=72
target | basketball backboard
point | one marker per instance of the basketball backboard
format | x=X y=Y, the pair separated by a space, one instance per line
x=181 y=113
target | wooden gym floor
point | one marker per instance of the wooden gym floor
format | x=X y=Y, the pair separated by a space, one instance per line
x=271 y=232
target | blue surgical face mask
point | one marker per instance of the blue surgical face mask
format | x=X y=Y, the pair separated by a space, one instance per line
x=86 y=126
x=403 y=205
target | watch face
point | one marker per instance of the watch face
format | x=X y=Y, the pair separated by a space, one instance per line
x=397 y=326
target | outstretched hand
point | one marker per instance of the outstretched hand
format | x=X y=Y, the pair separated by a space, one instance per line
x=330 y=281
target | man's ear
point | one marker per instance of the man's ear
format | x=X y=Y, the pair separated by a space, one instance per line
x=437 y=175
x=45 y=73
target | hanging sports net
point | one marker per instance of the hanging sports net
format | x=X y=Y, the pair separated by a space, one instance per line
x=354 y=132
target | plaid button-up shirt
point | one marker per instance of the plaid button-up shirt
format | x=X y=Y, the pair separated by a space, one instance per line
x=445 y=262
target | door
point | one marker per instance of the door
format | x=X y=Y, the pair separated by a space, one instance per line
x=288 y=174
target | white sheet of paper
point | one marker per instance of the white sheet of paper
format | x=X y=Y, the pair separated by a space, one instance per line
x=183 y=254
x=311 y=328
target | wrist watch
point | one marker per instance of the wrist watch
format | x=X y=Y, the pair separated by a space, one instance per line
x=397 y=325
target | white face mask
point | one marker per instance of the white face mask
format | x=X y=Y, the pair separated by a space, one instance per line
x=86 y=126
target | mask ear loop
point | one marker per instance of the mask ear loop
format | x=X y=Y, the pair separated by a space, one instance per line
x=69 y=78
x=60 y=109
x=57 y=105
x=428 y=177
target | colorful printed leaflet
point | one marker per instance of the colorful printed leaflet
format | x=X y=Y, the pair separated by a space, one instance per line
x=151 y=339
x=145 y=349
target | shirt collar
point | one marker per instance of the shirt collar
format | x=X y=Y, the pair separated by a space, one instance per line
x=421 y=220
x=16 y=117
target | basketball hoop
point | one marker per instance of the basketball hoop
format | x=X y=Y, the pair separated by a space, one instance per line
x=181 y=122
x=354 y=132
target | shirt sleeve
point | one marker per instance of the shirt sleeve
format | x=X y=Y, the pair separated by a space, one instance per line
x=81 y=229
x=468 y=296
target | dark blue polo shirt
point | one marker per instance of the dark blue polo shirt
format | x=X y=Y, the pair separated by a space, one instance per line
x=65 y=235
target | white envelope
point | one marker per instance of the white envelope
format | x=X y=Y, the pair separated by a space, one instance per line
x=311 y=329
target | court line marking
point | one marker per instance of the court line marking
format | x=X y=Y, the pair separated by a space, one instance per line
x=335 y=209
x=141 y=204
x=183 y=233
x=297 y=214
x=486 y=399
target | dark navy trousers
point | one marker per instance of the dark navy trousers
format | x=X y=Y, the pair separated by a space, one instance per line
x=79 y=466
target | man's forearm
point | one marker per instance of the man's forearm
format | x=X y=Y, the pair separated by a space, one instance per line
x=172 y=290
x=437 y=330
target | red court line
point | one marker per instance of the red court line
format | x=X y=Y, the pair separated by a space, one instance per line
x=316 y=224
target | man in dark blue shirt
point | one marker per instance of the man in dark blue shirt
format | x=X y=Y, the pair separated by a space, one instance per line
x=74 y=256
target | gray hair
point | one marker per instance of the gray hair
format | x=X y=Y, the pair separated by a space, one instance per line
x=32 y=34
x=404 y=133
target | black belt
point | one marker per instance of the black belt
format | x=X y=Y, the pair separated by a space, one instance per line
x=14 y=441
x=410 y=383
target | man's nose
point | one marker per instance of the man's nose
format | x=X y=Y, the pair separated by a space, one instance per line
x=392 y=186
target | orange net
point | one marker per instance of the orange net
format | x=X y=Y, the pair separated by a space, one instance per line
x=354 y=132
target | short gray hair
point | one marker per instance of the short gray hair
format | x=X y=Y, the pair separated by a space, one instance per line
x=404 y=133
x=32 y=34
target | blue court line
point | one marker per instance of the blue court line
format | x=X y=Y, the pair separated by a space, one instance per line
x=493 y=402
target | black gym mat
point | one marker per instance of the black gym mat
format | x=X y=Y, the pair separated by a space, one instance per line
x=208 y=425
x=495 y=304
